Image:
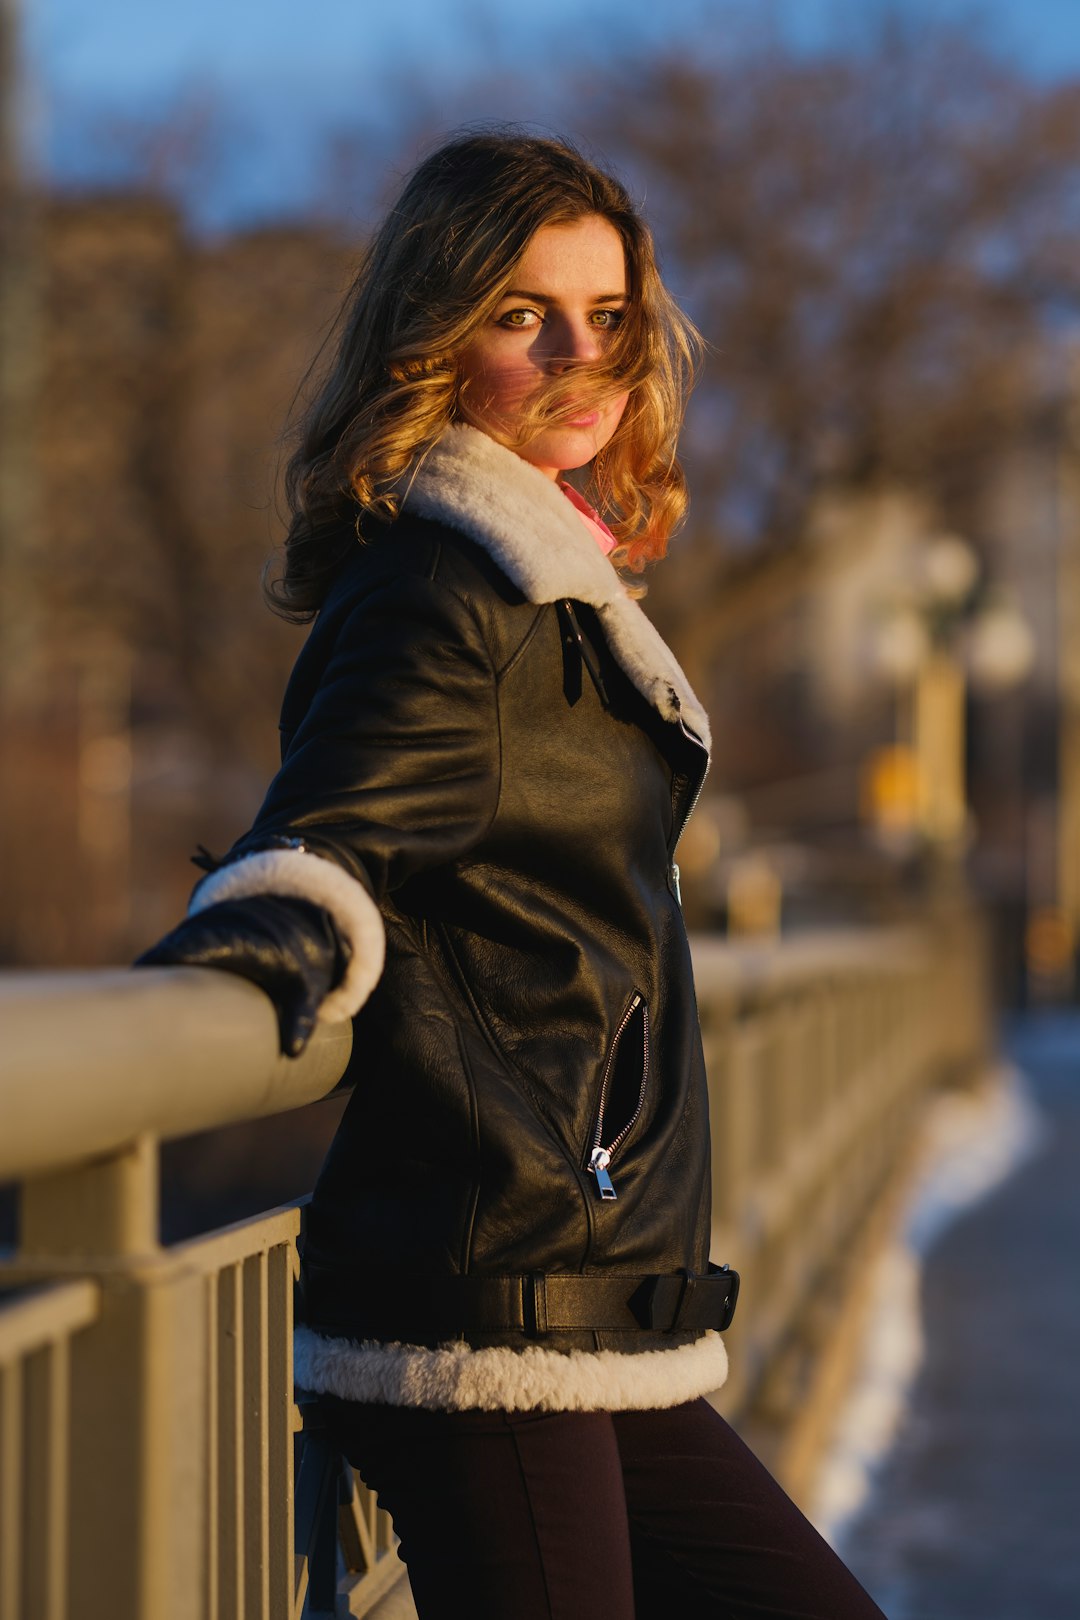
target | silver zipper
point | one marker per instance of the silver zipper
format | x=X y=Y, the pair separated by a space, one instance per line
x=600 y=1157
x=599 y=1160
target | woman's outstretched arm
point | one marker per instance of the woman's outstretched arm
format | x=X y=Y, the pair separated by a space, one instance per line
x=393 y=769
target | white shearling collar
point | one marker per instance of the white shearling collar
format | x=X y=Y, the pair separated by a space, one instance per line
x=529 y=528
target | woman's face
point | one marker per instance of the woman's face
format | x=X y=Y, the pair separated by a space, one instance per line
x=567 y=297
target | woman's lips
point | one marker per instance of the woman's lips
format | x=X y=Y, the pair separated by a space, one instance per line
x=590 y=419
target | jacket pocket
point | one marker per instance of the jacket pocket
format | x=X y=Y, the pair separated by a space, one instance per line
x=460 y=981
x=623 y=1087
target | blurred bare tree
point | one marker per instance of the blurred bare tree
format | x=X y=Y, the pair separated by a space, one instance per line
x=880 y=246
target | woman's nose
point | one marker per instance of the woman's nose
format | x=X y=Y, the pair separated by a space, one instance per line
x=573 y=343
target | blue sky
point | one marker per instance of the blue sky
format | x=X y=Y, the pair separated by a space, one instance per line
x=268 y=80
x=127 y=47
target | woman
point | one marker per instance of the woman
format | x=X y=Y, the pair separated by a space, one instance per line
x=488 y=758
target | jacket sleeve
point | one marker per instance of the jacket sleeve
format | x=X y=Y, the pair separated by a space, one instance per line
x=393 y=770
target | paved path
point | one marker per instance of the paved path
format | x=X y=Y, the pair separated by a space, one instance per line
x=976 y=1514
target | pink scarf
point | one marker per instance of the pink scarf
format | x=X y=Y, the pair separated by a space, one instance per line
x=592 y=520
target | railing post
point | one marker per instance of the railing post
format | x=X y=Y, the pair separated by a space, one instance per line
x=106 y=1207
x=136 y=1535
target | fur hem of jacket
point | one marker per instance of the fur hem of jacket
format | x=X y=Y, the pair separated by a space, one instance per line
x=305 y=876
x=457 y=1377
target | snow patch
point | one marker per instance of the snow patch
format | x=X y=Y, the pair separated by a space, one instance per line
x=973 y=1141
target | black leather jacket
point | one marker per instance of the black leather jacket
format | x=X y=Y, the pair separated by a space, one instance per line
x=510 y=799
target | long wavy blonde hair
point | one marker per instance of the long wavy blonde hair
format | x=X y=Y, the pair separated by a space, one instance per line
x=431 y=277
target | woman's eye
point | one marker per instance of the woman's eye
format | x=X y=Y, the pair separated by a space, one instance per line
x=520 y=318
x=607 y=319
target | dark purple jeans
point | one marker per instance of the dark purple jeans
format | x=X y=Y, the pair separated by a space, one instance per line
x=591 y=1516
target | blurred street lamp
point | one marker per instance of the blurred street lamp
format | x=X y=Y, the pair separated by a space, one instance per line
x=950 y=570
x=939 y=750
x=1000 y=649
x=931 y=640
x=903 y=645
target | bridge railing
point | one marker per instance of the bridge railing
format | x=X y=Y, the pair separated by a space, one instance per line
x=152 y=1459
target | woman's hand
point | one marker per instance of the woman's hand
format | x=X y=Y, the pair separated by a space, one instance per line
x=290 y=948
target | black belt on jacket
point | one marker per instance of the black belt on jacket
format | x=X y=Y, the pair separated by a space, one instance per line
x=534 y=1304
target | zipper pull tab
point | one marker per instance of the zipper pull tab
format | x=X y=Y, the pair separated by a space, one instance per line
x=598 y=1163
x=675 y=881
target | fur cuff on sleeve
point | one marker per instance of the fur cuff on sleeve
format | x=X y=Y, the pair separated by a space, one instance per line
x=303 y=876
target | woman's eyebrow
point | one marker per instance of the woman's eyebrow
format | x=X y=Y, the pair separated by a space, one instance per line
x=549 y=298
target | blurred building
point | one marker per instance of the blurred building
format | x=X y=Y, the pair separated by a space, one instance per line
x=142 y=673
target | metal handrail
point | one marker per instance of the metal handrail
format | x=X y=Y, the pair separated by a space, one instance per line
x=85 y=1068
x=91 y=1060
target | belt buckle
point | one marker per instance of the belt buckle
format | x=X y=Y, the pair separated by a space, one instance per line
x=670 y=1297
x=731 y=1298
